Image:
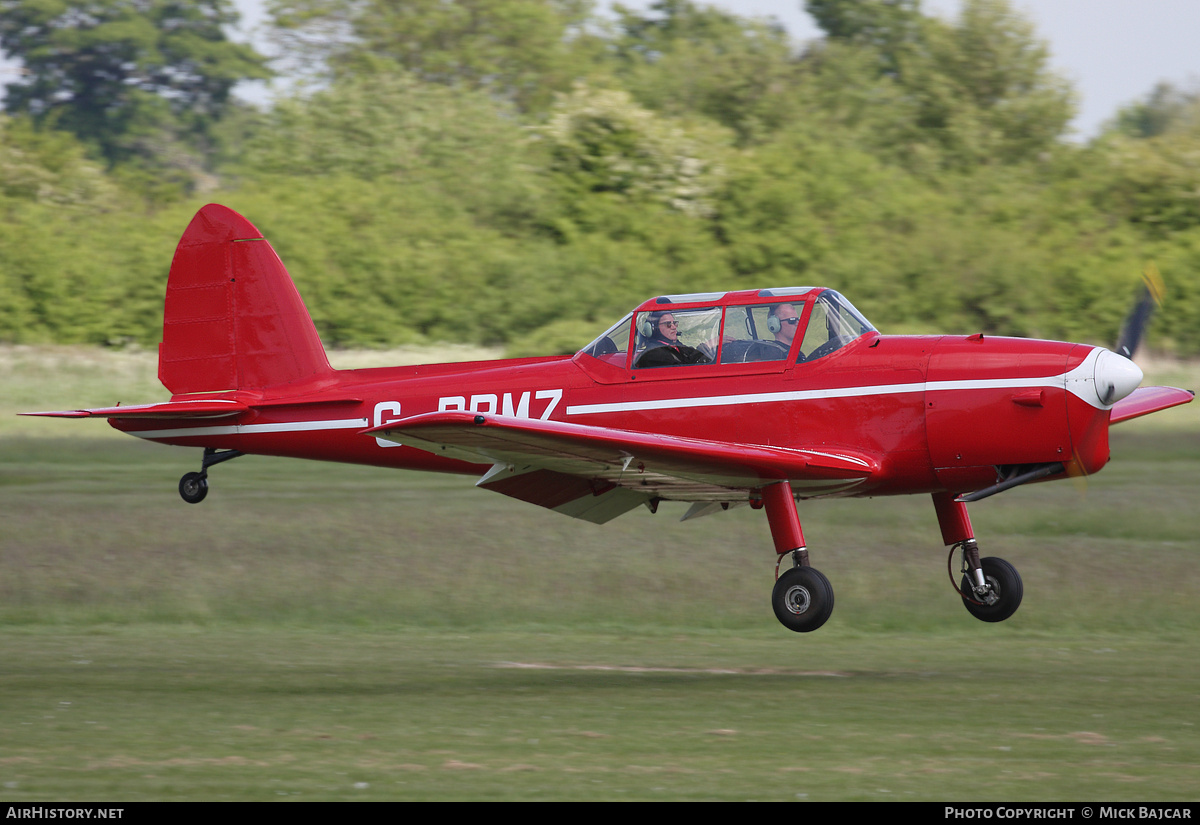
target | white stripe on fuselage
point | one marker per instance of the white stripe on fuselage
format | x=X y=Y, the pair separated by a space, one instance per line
x=247 y=429
x=741 y=398
x=1078 y=382
x=1057 y=381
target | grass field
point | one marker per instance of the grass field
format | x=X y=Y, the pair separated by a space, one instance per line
x=324 y=632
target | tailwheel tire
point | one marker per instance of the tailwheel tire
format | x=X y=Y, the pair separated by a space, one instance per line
x=1006 y=584
x=193 y=487
x=803 y=599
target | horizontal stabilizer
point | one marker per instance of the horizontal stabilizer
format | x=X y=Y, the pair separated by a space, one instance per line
x=1148 y=400
x=212 y=408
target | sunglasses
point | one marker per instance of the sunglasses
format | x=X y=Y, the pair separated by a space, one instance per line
x=668 y=323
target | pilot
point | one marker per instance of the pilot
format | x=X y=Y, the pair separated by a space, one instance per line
x=782 y=322
x=660 y=336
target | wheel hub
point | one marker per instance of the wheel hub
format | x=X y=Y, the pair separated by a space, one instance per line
x=989 y=594
x=797 y=600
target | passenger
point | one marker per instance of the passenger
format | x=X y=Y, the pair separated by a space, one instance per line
x=662 y=343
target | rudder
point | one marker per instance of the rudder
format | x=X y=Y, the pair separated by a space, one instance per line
x=233 y=318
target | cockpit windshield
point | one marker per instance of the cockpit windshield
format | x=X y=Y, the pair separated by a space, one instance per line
x=613 y=344
x=833 y=324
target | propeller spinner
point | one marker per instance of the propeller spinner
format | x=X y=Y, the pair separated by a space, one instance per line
x=1116 y=377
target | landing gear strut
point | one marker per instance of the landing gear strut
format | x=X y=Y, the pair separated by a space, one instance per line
x=802 y=597
x=990 y=588
x=193 y=487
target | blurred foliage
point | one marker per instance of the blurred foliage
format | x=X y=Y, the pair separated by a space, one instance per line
x=521 y=51
x=1166 y=109
x=521 y=172
x=602 y=143
x=687 y=60
x=141 y=82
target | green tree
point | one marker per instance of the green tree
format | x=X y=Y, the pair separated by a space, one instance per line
x=683 y=60
x=391 y=129
x=602 y=142
x=1167 y=108
x=973 y=91
x=522 y=50
x=985 y=90
x=887 y=27
x=1154 y=183
x=44 y=166
x=120 y=74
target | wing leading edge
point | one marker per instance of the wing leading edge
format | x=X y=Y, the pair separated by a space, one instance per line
x=1148 y=400
x=596 y=473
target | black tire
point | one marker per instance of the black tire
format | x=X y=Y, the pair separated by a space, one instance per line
x=1006 y=583
x=193 y=487
x=803 y=599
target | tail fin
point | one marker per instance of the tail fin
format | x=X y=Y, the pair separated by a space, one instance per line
x=233 y=317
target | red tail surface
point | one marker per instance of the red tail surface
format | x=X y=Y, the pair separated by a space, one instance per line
x=233 y=317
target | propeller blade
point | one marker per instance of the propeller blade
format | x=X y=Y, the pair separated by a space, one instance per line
x=1077 y=473
x=1151 y=296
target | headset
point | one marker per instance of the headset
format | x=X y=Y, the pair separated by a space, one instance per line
x=648 y=323
x=774 y=325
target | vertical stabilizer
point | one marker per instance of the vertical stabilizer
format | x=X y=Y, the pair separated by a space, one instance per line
x=233 y=318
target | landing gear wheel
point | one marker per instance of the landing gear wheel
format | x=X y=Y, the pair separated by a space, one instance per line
x=803 y=599
x=193 y=487
x=1006 y=587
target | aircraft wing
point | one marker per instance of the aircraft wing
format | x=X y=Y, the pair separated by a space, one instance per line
x=1148 y=400
x=597 y=473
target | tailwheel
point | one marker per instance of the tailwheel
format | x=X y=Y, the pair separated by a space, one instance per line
x=193 y=487
x=803 y=599
x=1000 y=595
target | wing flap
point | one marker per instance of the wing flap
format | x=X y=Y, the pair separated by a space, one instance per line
x=580 y=448
x=560 y=465
x=588 y=499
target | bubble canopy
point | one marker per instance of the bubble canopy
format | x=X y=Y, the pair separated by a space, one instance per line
x=788 y=324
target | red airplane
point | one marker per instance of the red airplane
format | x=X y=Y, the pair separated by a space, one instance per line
x=718 y=399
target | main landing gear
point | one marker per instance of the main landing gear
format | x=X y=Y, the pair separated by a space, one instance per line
x=803 y=597
x=990 y=588
x=193 y=487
